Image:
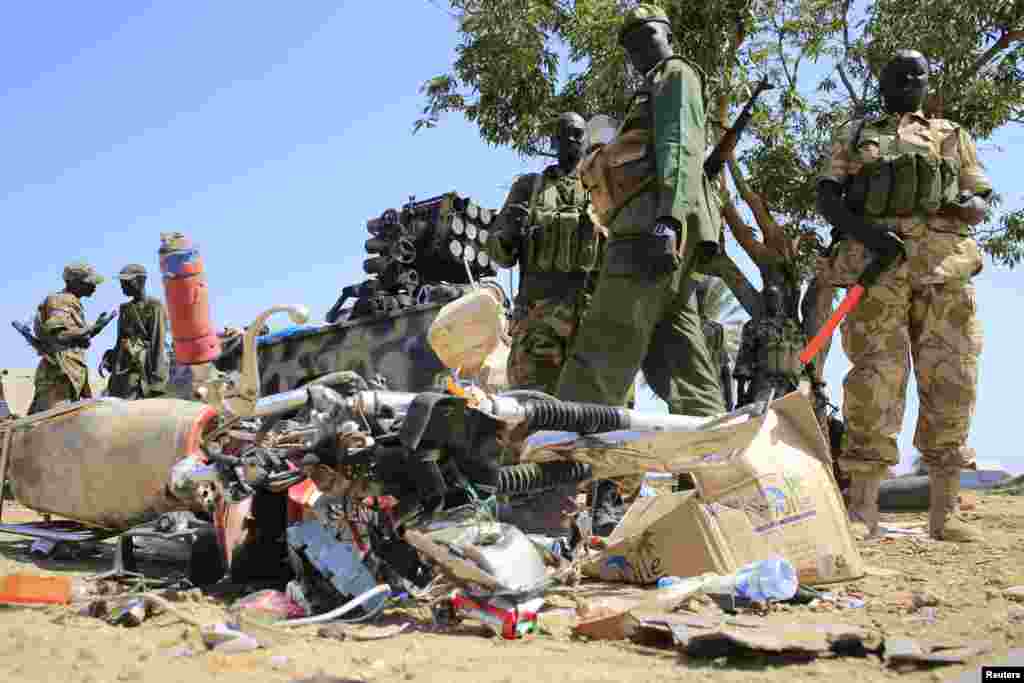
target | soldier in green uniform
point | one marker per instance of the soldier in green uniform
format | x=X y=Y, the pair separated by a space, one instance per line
x=908 y=188
x=63 y=335
x=714 y=337
x=138 y=363
x=649 y=189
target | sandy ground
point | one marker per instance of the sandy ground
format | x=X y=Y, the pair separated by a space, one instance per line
x=967 y=582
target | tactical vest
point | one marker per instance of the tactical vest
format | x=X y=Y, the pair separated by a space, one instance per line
x=905 y=178
x=626 y=167
x=778 y=348
x=562 y=237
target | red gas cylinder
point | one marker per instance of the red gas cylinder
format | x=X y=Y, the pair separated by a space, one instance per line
x=188 y=301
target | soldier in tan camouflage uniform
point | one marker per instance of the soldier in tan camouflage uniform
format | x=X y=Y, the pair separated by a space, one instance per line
x=62 y=375
x=906 y=183
x=138 y=363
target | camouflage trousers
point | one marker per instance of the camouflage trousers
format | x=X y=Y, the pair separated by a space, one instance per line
x=904 y=318
x=541 y=333
x=54 y=391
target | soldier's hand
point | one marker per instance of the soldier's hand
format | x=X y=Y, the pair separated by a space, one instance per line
x=81 y=341
x=887 y=245
x=516 y=217
x=102 y=321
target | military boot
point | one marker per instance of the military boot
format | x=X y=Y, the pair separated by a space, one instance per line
x=944 y=520
x=865 y=482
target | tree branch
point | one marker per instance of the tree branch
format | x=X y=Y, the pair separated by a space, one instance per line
x=857 y=102
x=744 y=235
x=1005 y=40
x=773 y=247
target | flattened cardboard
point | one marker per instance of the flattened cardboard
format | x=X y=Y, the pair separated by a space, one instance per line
x=775 y=497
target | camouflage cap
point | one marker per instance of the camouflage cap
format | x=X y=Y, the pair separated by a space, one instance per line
x=641 y=14
x=82 y=272
x=132 y=271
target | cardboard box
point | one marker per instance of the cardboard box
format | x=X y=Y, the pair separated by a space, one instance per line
x=775 y=496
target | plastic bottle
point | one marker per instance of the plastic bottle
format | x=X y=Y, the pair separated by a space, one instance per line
x=771 y=579
x=667 y=581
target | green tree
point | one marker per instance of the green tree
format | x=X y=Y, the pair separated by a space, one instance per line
x=521 y=62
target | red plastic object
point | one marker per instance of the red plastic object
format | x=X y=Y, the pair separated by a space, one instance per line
x=848 y=303
x=29 y=589
x=188 y=301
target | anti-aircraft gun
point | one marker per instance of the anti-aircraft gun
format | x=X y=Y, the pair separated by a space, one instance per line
x=420 y=257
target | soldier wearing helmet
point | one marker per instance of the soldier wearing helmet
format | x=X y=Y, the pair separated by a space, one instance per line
x=63 y=336
x=138 y=363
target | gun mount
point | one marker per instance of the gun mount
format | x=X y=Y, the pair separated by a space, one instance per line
x=434 y=242
x=420 y=258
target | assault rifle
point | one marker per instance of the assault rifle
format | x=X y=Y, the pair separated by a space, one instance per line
x=714 y=163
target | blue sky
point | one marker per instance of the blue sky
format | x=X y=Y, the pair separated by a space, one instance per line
x=270 y=133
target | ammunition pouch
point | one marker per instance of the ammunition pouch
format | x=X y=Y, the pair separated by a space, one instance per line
x=780 y=359
x=564 y=242
x=537 y=285
x=615 y=173
x=650 y=256
x=902 y=185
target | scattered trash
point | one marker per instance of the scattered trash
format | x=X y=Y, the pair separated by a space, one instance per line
x=749 y=508
x=224 y=638
x=927 y=615
x=129 y=613
x=269 y=606
x=925 y=599
x=33 y=589
x=180 y=651
x=880 y=572
x=767 y=580
x=1015 y=614
x=1015 y=593
x=362 y=634
x=366 y=597
x=507 y=619
x=708 y=638
x=608 y=619
x=279 y=662
x=905 y=651
x=666 y=581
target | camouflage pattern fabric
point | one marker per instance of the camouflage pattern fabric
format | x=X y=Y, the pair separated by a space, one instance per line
x=63 y=374
x=541 y=332
x=924 y=309
x=544 y=321
x=390 y=346
x=140 y=365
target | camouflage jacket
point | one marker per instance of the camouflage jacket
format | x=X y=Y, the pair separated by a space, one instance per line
x=139 y=353
x=61 y=313
x=557 y=190
x=941 y=247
